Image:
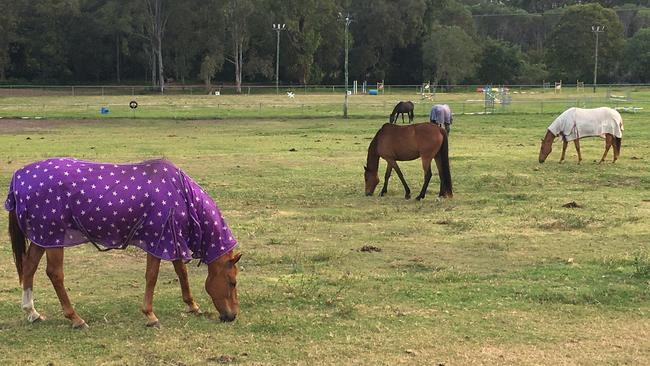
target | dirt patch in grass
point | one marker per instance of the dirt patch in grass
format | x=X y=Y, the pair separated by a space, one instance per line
x=12 y=126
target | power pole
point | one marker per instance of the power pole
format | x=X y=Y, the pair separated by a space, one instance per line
x=278 y=28
x=347 y=21
x=596 y=29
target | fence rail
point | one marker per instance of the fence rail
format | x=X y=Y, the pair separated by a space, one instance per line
x=176 y=89
x=300 y=110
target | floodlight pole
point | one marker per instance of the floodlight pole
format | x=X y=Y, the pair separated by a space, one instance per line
x=347 y=20
x=278 y=28
x=596 y=29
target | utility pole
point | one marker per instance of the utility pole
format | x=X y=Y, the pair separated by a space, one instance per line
x=596 y=29
x=347 y=20
x=278 y=28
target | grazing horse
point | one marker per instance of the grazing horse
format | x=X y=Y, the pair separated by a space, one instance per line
x=396 y=143
x=401 y=108
x=576 y=123
x=62 y=202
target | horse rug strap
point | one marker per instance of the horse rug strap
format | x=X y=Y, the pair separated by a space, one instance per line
x=153 y=205
x=575 y=123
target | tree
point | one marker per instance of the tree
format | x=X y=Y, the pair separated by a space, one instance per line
x=501 y=63
x=570 y=51
x=8 y=25
x=237 y=13
x=449 y=54
x=308 y=22
x=156 y=21
x=380 y=28
x=637 y=56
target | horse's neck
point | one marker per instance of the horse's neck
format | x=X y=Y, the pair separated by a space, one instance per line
x=549 y=137
x=372 y=162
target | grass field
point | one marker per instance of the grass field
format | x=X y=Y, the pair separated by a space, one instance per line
x=500 y=274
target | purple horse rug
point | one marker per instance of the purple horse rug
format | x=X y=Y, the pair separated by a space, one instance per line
x=153 y=205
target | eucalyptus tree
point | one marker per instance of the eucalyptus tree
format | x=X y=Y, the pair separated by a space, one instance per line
x=570 y=48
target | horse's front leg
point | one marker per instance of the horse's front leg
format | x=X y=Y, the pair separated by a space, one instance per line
x=55 y=273
x=389 y=169
x=181 y=272
x=30 y=264
x=577 y=143
x=426 y=166
x=564 y=146
x=407 y=190
x=608 y=144
x=151 y=276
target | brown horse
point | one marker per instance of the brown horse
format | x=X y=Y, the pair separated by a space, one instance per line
x=54 y=206
x=401 y=108
x=396 y=143
x=576 y=123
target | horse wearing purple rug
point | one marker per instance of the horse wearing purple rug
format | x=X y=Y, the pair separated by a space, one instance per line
x=63 y=202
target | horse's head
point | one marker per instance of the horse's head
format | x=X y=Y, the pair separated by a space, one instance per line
x=392 y=118
x=221 y=285
x=372 y=179
x=546 y=146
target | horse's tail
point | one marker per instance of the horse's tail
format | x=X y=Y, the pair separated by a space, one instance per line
x=445 y=170
x=18 y=243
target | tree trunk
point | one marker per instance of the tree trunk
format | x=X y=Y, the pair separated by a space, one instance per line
x=161 y=74
x=237 y=48
x=117 y=57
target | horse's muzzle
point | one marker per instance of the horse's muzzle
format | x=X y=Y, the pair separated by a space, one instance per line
x=227 y=317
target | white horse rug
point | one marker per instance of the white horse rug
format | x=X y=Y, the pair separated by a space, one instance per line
x=575 y=123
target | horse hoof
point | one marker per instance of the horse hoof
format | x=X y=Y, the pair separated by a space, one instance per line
x=196 y=311
x=407 y=197
x=382 y=194
x=82 y=326
x=418 y=198
x=155 y=324
x=39 y=319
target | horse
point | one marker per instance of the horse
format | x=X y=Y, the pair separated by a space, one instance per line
x=62 y=202
x=576 y=123
x=441 y=114
x=402 y=107
x=396 y=143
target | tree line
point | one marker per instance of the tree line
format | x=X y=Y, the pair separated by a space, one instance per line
x=398 y=41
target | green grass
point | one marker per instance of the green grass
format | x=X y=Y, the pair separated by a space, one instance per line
x=500 y=274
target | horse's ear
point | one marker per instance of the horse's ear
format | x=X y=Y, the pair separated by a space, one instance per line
x=236 y=259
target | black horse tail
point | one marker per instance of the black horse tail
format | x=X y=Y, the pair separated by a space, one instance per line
x=445 y=171
x=18 y=243
x=617 y=144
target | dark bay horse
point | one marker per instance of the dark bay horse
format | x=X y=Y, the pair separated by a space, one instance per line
x=396 y=143
x=57 y=203
x=401 y=108
x=576 y=123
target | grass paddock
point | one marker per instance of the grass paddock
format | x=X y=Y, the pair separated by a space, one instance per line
x=500 y=274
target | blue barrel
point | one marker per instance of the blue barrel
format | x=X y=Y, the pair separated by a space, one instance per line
x=372 y=91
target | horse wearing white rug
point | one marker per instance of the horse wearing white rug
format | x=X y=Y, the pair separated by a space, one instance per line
x=576 y=123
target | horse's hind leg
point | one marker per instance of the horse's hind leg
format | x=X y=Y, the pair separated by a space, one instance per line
x=608 y=144
x=151 y=277
x=30 y=264
x=389 y=169
x=426 y=166
x=55 y=273
x=407 y=190
x=577 y=143
x=181 y=271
